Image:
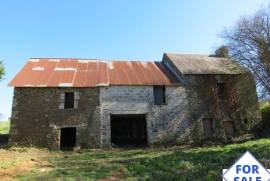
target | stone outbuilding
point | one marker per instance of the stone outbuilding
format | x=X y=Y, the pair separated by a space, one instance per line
x=63 y=103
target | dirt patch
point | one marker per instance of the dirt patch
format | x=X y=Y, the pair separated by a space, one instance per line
x=21 y=168
x=116 y=176
x=17 y=161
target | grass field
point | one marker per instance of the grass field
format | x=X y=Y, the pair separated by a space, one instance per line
x=176 y=163
x=4 y=127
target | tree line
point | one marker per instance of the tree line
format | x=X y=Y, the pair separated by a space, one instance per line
x=248 y=43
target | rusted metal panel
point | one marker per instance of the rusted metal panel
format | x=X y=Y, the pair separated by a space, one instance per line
x=21 y=77
x=68 y=63
x=130 y=73
x=44 y=75
x=91 y=73
x=102 y=74
x=61 y=77
x=143 y=74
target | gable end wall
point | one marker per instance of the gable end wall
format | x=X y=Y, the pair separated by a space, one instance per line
x=38 y=116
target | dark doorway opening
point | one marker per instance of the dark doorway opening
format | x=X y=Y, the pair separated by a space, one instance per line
x=208 y=127
x=68 y=138
x=128 y=130
x=228 y=128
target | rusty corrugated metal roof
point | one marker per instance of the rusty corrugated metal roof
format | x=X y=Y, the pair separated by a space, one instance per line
x=91 y=73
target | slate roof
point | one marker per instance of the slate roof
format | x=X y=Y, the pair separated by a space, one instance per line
x=51 y=72
x=203 y=64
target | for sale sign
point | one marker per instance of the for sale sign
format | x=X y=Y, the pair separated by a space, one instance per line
x=247 y=168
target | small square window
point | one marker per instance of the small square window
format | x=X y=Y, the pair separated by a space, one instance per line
x=159 y=95
x=69 y=100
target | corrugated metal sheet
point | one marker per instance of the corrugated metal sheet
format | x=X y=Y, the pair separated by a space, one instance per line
x=91 y=73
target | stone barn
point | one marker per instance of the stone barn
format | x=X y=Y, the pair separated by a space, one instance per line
x=66 y=103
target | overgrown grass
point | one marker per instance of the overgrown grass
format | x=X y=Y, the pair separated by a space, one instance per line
x=4 y=127
x=176 y=163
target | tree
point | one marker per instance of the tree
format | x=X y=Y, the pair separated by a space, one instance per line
x=2 y=70
x=249 y=44
x=221 y=52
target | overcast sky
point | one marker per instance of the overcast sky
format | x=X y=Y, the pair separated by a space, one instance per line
x=110 y=29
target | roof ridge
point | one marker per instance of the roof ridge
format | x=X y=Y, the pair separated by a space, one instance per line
x=187 y=54
x=104 y=60
x=210 y=56
x=47 y=58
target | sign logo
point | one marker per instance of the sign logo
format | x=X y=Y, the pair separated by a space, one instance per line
x=246 y=168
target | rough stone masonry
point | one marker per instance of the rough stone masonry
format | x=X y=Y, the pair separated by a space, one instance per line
x=213 y=103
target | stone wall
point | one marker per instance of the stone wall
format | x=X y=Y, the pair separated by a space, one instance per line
x=38 y=115
x=240 y=105
x=249 y=110
x=180 y=120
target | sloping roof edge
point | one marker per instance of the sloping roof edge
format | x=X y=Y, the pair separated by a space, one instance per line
x=202 y=64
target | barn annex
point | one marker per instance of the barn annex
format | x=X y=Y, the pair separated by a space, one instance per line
x=63 y=103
